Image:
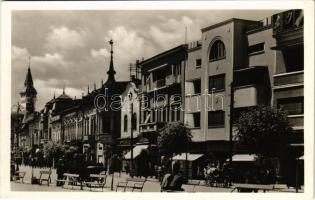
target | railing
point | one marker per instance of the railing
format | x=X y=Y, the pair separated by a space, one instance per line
x=288 y=20
x=260 y=24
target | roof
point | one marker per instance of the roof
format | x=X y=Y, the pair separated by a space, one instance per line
x=63 y=96
x=190 y=157
x=165 y=53
x=224 y=22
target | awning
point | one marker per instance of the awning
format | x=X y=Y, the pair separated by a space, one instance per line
x=136 y=151
x=190 y=157
x=243 y=158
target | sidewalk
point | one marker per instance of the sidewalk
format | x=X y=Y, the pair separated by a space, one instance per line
x=151 y=185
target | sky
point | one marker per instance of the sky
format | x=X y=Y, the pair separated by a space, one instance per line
x=70 y=48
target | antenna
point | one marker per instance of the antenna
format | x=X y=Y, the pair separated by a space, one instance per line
x=185 y=34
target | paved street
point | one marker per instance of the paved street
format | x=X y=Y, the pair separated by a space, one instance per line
x=151 y=185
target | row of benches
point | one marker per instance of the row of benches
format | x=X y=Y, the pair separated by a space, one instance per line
x=131 y=184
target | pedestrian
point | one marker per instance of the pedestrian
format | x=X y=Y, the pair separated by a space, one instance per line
x=60 y=170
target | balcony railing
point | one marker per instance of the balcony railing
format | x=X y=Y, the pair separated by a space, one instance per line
x=289 y=78
x=287 y=21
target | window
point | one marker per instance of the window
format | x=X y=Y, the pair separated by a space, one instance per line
x=198 y=63
x=125 y=123
x=196 y=117
x=134 y=121
x=216 y=118
x=217 y=82
x=197 y=86
x=217 y=51
x=293 y=59
x=293 y=106
x=256 y=48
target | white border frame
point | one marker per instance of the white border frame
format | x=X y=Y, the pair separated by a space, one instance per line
x=5 y=91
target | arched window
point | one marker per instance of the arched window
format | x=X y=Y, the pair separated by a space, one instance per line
x=134 y=121
x=217 y=51
x=125 y=123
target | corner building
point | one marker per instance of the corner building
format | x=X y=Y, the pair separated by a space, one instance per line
x=234 y=67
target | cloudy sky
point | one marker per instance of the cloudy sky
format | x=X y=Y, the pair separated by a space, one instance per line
x=71 y=47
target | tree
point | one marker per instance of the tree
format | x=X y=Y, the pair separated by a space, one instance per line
x=174 y=138
x=264 y=130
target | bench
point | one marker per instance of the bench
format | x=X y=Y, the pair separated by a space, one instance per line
x=193 y=183
x=252 y=187
x=45 y=176
x=19 y=175
x=71 y=179
x=131 y=183
x=96 y=181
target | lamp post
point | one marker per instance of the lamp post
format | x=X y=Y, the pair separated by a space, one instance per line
x=131 y=135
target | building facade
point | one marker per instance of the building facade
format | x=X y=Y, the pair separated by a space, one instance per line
x=239 y=64
x=161 y=90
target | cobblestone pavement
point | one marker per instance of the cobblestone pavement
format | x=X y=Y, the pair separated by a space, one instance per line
x=151 y=185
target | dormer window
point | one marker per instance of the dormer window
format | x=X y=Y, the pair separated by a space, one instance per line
x=217 y=51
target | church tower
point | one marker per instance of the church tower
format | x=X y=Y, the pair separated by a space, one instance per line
x=28 y=95
x=111 y=71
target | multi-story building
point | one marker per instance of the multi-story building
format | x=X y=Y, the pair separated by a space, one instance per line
x=288 y=78
x=161 y=90
x=239 y=64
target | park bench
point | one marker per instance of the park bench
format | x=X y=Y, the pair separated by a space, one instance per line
x=19 y=175
x=193 y=183
x=70 y=179
x=252 y=187
x=45 y=176
x=131 y=183
x=96 y=181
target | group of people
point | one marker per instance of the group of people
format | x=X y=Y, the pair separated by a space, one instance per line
x=173 y=181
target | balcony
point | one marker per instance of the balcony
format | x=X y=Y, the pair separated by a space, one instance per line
x=291 y=78
x=245 y=96
x=296 y=120
x=290 y=20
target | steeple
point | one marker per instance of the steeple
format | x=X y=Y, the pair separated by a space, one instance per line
x=28 y=94
x=111 y=72
x=29 y=79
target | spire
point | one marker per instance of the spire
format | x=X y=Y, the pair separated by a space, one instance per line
x=29 y=79
x=63 y=89
x=88 y=89
x=111 y=72
x=54 y=94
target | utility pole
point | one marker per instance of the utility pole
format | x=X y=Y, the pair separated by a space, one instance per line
x=131 y=135
x=231 y=120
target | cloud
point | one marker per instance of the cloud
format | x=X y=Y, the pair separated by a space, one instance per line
x=63 y=38
x=128 y=47
x=172 y=32
x=46 y=92
x=103 y=53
